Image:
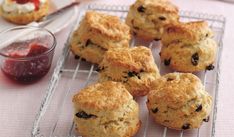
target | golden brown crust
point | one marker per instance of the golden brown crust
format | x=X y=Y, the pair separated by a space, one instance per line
x=103 y=109
x=189 y=47
x=179 y=101
x=134 y=59
x=181 y=56
x=102 y=32
x=25 y=18
x=134 y=67
x=106 y=25
x=191 y=32
x=103 y=96
x=177 y=91
x=147 y=18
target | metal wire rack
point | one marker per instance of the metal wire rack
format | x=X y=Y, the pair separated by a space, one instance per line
x=55 y=116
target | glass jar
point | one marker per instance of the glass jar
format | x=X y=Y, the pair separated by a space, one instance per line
x=26 y=53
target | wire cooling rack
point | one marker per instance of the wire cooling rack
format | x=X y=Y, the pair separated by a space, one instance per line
x=55 y=116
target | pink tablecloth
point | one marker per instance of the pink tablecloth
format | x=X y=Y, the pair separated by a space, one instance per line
x=19 y=104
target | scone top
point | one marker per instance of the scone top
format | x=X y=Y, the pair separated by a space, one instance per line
x=176 y=90
x=135 y=59
x=103 y=30
x=134 y=67
x=107 y=96
x=159 y=6
x=188 y=33
x=108 y=25
x=179 y=101
x=147 y=18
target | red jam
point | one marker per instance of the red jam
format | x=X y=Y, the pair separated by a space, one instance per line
x=34 y=65
x=35 y=2
x=22 y=1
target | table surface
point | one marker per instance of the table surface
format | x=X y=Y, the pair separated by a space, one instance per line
x=19 y=103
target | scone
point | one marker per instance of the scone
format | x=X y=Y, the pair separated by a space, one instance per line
x=147 y=18
x=97 y=33
x=106 y=110
x=23 y=11
x=134 y=67
x=188 y=47
x=179 y=101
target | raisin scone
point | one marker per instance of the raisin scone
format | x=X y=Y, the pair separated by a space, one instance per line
x=179 y=101
x=147 y=18
x=134 y=67
x=188 y=47
x=24 y=11
x=97 y=33
x=106 y=110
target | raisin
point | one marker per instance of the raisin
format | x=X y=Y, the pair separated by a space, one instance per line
x=83 y=59
x=170 y=79
x=88 y=42
x=77 y=57
x=157 y=39
x=207 y=35
x=186 y=126
x=136 y=28
x=141 y=9
x=195 y=59
x=155 y=110
x=141 y=70
x=167 y=62
x=206 y=119
x=99 y=69
x=134 y=33
x=210 y=67
x=139 y=77
x=132 y=74
x=162 y=18
x=84 y=115
x=199 y=108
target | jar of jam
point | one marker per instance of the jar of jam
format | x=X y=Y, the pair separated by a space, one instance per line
x=26 y=53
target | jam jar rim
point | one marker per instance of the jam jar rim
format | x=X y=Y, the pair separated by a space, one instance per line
x=36 y=56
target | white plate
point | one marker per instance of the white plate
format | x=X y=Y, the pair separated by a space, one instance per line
x=55 y=26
